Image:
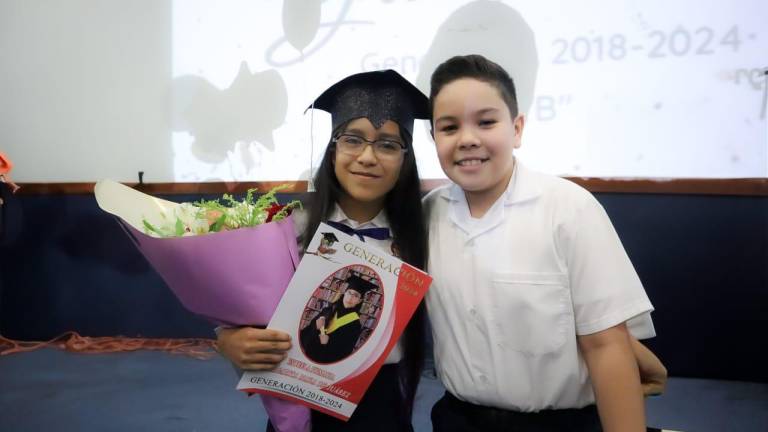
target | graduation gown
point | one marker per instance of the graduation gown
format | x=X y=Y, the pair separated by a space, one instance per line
x=341 y=341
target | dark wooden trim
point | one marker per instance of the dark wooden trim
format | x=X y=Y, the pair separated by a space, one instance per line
x=162 y=188
x=746 y=187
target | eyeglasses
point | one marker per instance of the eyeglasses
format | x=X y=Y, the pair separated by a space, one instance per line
x=354 y=145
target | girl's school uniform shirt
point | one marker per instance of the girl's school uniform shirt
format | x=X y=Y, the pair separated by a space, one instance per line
x=380 y=221
x=513 y=290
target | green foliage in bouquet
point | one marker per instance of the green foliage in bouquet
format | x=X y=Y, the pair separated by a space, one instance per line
x=227 y=213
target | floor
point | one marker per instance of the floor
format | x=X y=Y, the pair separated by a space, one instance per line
x=51 y=389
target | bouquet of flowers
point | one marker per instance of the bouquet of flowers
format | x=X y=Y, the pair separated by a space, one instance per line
x=228 y=262
x=203 y=217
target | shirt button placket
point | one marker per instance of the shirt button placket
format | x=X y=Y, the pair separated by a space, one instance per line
x=473 y=294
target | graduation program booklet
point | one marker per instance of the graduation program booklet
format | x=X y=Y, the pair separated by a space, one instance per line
x=345 y=309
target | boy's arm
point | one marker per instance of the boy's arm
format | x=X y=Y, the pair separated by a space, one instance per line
x=653 y=374
x=615 y=379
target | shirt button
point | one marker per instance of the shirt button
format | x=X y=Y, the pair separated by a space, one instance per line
x=483 y=378
x=473 y=311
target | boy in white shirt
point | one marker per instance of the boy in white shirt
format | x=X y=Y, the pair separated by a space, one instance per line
x=533 y=293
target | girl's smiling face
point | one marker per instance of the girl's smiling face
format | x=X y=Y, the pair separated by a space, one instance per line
x=475 y=135
x=366 y=178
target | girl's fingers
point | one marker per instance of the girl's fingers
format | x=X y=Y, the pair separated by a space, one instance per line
x=259 y=367
x=253 y=349
x=263 y=346
x=262 y=361
x=268 y=335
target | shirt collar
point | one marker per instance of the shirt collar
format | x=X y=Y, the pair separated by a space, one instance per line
x=522 y=187
x=379 y=221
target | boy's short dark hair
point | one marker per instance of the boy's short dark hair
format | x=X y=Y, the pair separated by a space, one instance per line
x=477 y=67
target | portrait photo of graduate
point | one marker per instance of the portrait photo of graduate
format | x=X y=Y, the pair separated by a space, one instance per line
x=340 y=315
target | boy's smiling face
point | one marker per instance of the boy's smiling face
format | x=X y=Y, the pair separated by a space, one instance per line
x=475 y=135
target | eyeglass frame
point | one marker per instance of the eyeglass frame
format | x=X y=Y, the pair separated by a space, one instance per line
x=372 y=143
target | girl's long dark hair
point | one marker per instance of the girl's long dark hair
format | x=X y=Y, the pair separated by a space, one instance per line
x=402 y=206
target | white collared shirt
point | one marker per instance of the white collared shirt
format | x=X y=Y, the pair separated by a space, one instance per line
x=379 y=221
x=513 y=290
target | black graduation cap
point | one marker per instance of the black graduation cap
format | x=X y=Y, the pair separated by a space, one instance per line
x=378 y=96
x=330 y=237
x=359 y=284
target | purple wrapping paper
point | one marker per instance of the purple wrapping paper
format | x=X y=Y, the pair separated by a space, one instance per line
x=287 y=416
x=232 y=277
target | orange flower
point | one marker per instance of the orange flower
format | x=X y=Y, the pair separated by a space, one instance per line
x=5 y=169
x=5 y=164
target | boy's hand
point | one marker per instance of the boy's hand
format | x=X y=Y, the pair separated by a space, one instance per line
x=653 y=385
x=653 y=374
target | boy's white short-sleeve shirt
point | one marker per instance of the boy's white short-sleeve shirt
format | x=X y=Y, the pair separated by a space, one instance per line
x=513 y=289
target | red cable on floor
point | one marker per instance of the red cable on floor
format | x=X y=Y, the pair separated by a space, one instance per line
x=202 y=349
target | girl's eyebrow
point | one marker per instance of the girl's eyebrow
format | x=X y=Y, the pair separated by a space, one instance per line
x=445 y=118
x=354 y=131
x=381 y=135
x=389 y=136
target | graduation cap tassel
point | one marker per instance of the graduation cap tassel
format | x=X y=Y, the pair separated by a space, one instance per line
x=311 y=179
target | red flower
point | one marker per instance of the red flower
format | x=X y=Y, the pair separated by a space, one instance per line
x=273 y=210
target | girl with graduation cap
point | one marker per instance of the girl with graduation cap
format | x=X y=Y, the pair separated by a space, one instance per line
x=367 y=185
x=332 y=335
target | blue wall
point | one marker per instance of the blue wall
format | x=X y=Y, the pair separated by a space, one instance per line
x=67 y=265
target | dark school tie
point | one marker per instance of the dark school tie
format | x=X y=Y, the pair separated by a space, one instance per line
x=374 y=233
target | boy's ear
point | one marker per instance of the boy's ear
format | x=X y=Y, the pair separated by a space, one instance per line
x=519 y=123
